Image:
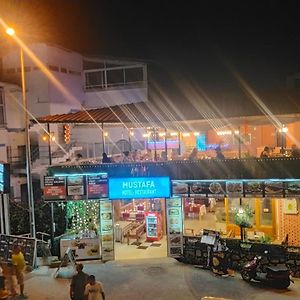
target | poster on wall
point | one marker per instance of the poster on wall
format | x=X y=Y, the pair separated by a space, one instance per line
x=97 y=186
x=274 y=188
x=290 y=206
x=54 y=188
x=106 y=230
x=76 y=187
x=234 y=188
x=253 y=188
x=292 y=188
x=174 y=227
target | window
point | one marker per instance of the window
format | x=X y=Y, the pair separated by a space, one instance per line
x=133 y=75
x=2 y=111
x=94 y=79
x=266 y=212
x=115 y=77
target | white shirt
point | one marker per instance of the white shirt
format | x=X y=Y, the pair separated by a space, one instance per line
x=94 y=291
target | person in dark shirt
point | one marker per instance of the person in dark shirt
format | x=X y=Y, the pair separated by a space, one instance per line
x=219 y=154
x=105 y=158
x=265 y=153
x=78 y=284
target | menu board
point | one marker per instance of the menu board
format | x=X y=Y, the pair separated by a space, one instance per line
x=234 y=188
x=199 y=188
x=4 y=178
x=97 y=186
x=253 y=189
x=180 y=188
x=76 y=187
x=54 y=188
x=292 y=188
x=106 y=230
x=174 y=227
x=274 y=188
x=216 y=189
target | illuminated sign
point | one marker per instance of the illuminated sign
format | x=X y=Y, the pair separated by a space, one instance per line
x=139 y=187
x=4 y=178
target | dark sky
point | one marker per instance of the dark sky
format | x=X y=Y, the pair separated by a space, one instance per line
x=196 y=40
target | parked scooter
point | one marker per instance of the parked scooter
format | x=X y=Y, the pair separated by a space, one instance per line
x=277 y=276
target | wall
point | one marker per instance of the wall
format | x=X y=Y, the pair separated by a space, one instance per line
x=110 y=97
x=289 y=224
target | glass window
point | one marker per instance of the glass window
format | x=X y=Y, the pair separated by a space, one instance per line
x=115 y=77
x=234 y=203
x=266 y=212
x=94 y=79
x=251 y=203
x=134 y=75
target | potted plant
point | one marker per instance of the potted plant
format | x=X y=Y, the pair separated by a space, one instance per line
x=242 y=217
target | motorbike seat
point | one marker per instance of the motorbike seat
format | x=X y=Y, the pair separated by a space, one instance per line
x=278 y=268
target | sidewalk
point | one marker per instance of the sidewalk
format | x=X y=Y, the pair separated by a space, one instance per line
x=148 y=279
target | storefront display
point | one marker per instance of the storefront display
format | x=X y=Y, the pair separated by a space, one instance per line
x=153 y=226
x=174 y=227
x=106 y=230
x=84 y=247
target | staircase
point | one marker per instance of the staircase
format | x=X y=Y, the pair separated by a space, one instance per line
x=40 y=165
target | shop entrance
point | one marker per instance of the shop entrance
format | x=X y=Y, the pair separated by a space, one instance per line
x=140 y=228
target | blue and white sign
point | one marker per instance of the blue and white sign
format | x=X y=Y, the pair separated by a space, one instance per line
x=139 y=187
x=4 y=178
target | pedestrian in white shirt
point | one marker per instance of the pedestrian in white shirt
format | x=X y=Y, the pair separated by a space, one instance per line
x=94 y=289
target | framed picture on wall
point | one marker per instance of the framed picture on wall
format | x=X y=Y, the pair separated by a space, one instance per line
x=290 y=206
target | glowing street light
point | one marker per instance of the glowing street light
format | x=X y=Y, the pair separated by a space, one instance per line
x=11 y=32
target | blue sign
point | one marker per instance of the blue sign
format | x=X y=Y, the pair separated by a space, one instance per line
x=139 y=187
x=4 y=178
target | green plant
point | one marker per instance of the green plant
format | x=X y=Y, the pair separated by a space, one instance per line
x=242 y=216
x=265 y=239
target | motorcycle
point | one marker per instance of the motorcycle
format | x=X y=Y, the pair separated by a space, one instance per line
x=277 y=276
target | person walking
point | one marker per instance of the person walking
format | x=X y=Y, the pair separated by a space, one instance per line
x=18 y=261
x=78 y=283
x=94 y=289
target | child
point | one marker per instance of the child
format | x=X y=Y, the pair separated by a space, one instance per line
x=94 y=289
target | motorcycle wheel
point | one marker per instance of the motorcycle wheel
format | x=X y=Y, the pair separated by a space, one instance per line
x=246 y=275
x=282 y=284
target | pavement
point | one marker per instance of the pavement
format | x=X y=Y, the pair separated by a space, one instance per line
x=159 y=279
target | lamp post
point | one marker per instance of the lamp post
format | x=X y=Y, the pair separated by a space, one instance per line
x=11 y=32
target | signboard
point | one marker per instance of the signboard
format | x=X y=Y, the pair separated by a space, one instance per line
x=54 y=188
x=273 y=188
x=216 y=189
x=180 y=188
x=174 y=227
x=76 y=188
x=106 y=230
x=4 y=178
x=139 y=187
x=97 y=186
x=234 y=188
x=292 y=188
x=253 y=189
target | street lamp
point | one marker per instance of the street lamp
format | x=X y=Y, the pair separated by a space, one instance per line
x=11 y=32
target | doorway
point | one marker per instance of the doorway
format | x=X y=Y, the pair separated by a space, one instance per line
x=140 y=228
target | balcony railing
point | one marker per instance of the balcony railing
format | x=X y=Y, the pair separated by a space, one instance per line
x=250 y=168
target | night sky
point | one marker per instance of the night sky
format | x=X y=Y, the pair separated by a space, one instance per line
x=200 y=41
